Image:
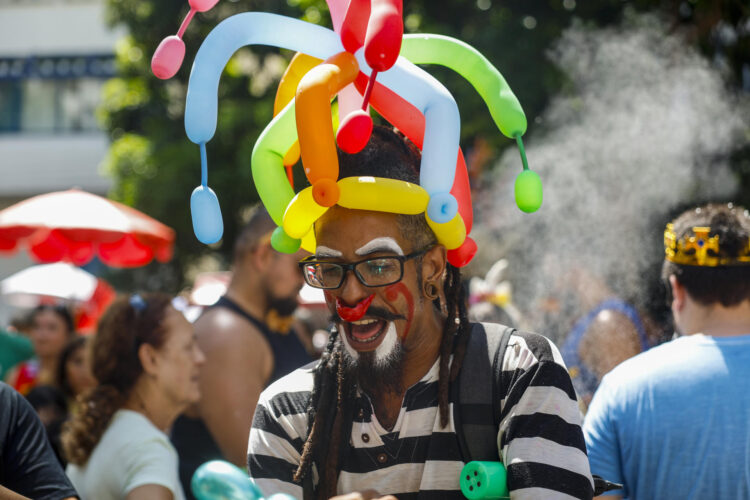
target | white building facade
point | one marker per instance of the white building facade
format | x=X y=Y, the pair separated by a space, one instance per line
x=55 y=56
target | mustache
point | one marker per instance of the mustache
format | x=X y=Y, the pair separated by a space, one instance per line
x=372 y=312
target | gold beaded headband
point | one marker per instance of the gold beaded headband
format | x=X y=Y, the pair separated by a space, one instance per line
x=700 y=249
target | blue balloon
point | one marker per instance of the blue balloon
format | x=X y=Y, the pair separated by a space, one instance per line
x=442 y=207
x=207 y=222
x=250 y=28
x=441 y=131
x=220 y=480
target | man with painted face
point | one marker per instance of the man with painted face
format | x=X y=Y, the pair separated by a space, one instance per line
x=375 y=415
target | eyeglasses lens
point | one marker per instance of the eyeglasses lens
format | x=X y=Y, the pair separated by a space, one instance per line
x=374 y=272
x=379 y=272
x=323 y=275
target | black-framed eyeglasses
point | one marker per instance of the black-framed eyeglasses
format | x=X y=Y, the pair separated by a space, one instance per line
x=371 y=272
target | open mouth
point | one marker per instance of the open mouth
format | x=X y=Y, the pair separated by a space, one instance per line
x=365 y=334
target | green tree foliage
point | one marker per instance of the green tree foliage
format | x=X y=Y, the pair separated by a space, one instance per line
x=156 y=167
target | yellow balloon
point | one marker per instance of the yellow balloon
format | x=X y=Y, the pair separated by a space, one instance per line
x=308 y=241
x=382 y=195
x=451 y=234
x=298 y=67
x=301 y=213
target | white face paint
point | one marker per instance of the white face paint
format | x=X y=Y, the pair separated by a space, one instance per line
x=382 y=244
x=349 y=349
x=323 y=251
x=383 y=352
x=387 y=347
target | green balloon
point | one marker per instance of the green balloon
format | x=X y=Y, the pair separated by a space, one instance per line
x=268 y=163
x=528 y=191
x=282 y=242
x=477 y=69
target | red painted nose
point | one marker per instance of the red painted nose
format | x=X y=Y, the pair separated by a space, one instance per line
x=353 y=313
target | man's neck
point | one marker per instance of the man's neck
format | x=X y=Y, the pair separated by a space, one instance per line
x=248 y=294
x=720 y=321
x=421 y=356
x=419 y=360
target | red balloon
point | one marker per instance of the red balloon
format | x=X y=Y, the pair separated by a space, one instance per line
x=355 y=24
x=462 y=255
x=461 y=191
x=355 y=131
x=385 y=30
x=410 y=121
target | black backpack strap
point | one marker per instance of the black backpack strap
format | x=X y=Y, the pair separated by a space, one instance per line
x=477 y=414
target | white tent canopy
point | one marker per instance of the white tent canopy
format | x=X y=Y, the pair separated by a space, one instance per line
x=60 y=280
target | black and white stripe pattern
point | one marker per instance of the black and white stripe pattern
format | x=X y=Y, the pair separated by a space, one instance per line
x=539 y=435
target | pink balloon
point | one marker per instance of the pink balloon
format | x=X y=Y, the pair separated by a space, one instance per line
x=354 y=132
x=168 y=57
x=337 y=9
x=202 y=5
x=349 y=100
x=354 y=25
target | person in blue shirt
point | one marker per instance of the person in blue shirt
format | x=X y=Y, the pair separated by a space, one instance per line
x=674 y=422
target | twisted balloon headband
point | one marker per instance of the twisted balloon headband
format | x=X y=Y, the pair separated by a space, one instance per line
x=363 y=48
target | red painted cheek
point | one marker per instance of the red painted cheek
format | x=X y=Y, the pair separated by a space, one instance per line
x=392 y=293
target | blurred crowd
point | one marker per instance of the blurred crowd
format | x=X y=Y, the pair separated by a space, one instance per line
x=162 y=382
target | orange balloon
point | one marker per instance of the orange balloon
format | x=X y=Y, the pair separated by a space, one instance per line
x=314 y=126
x=298 y=67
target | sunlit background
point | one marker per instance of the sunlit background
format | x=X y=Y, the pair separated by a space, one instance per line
x=636 y=109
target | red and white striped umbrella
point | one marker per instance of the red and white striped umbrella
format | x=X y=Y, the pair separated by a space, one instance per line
x=74 y=226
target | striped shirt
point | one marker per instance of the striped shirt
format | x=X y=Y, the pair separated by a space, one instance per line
x=541 y=442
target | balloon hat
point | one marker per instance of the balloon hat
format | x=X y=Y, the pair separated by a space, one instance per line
x=365 y=55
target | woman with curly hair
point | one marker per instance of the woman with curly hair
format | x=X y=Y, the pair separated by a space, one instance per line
x=146 y=362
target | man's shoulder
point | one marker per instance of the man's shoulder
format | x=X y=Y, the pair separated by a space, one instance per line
x=219 y=325
x=526 y=347
x=647 y=368
x=291 y=393
x=10 y=402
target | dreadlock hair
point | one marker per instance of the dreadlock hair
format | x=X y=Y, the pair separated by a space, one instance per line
x=331 y=407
